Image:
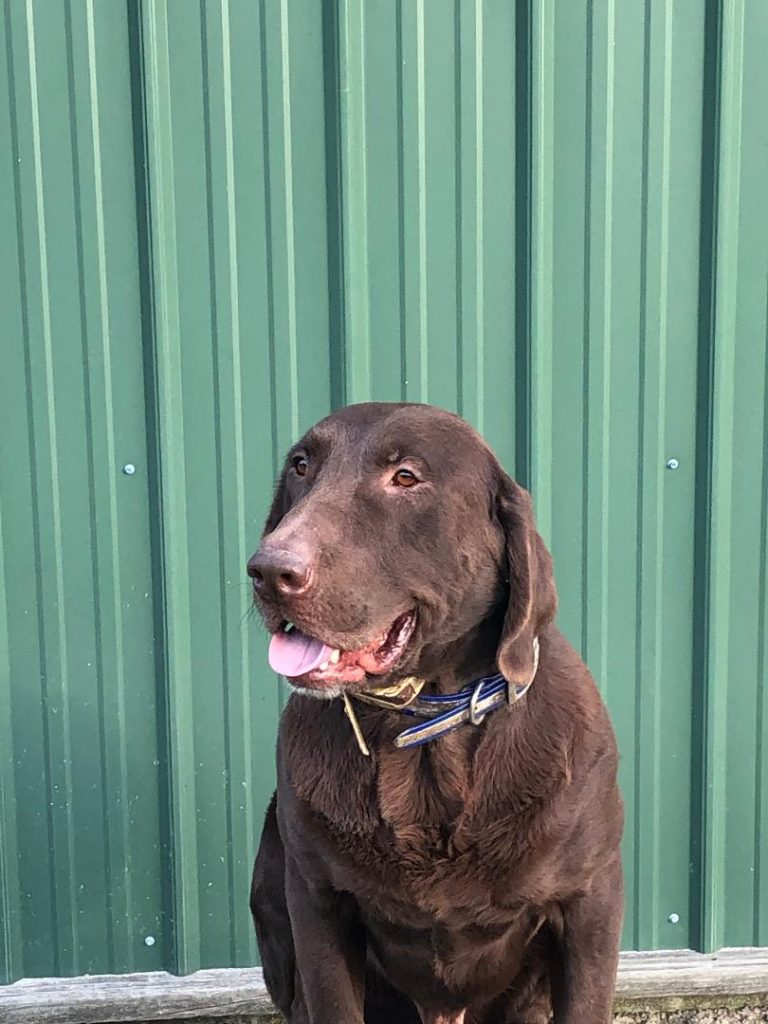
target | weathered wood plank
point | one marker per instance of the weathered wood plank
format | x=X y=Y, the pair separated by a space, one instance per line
x=729 y=972
x=233 y=993
x=133 y=997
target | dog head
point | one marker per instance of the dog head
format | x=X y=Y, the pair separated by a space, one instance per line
x=393 y=536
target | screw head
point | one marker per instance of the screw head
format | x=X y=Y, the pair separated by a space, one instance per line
x=672 y=463
x=674 y=918
x=149 y=940
x=129 y=469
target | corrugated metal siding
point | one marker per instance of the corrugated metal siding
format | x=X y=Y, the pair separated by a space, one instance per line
x=219 y=221
x=735 y=782
x=617 y=101
x=240 y=353
x=81 y=835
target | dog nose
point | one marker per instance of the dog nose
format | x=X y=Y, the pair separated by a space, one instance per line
x=281 y=571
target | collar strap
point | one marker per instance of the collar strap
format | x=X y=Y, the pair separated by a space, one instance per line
x=443 y=712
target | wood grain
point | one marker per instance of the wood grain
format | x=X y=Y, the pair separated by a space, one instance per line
x=241 y=993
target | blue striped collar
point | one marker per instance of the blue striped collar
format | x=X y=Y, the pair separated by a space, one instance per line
x=442 y=712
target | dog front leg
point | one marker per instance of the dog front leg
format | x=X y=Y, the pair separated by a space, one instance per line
x=583 y=994
x=330 y=953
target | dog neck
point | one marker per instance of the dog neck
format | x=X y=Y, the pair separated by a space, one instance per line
x=470 y=656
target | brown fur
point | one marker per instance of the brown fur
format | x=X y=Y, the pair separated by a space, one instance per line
x=478 y=877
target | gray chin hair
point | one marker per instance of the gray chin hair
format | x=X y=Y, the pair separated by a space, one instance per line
x=330 y=693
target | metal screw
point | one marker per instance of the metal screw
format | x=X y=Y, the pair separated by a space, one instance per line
x=149 y=940
x=129 y=469
x=674 y=918
x=672 y=463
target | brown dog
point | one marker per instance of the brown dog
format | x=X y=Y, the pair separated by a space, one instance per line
x=472 y=879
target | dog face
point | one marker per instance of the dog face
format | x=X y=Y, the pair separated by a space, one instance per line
x=393 y=534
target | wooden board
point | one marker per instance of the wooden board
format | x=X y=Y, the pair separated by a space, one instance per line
x=233 y=993
x=134 y=997
x=730 y=972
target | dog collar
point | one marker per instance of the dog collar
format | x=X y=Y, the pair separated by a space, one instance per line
x=443 y=712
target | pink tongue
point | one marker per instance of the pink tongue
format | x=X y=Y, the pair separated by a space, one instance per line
x=293 y=654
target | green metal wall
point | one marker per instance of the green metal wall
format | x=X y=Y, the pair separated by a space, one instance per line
x=218 y=220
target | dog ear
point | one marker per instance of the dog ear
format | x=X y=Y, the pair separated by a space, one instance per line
x=279 y=506
x=532 y=599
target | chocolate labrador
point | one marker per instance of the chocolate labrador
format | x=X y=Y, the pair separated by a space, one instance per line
x=443 y=844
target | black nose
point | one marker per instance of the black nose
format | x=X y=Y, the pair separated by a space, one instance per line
x=281 y=571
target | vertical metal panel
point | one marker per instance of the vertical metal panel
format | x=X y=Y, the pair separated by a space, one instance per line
x=81 y=833
x=236 y=192
x=219 y=221
x=735 y=903
x=613 y=276
x=427 y=128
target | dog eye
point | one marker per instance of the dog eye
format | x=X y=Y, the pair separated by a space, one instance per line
x=300 y=465
x=404 y=478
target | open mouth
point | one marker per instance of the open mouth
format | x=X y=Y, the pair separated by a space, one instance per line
x=304 y=659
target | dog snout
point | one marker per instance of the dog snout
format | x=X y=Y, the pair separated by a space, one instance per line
x=281 y=572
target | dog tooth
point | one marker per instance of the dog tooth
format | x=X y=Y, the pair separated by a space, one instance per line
x=335 y=657
x=324 y=666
